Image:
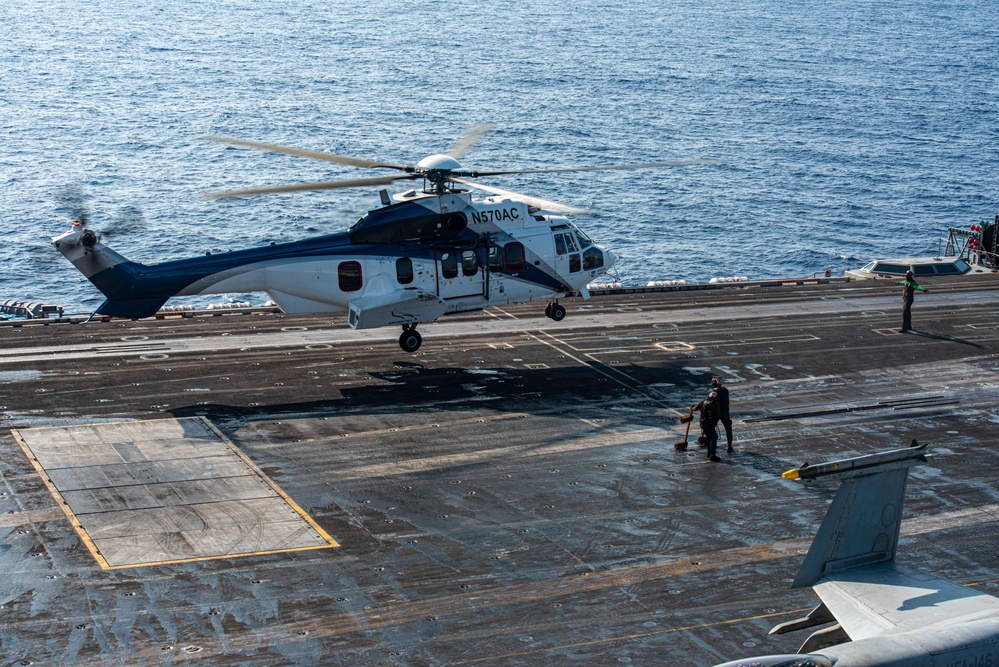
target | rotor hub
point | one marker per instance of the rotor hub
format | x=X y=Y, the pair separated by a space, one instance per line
x=439 y=163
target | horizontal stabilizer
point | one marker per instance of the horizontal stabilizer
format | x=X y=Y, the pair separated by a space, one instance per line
x=889 y=598
x=818 y=616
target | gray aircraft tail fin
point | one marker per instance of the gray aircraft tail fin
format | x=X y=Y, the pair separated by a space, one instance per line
x=862 y=524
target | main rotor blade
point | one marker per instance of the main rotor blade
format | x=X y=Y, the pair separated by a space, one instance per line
x=300 y=187
x=536 y=202
x=315 y=155
x=641 y=165
x=472 y=135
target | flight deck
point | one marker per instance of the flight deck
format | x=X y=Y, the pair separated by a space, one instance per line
x=265 y=489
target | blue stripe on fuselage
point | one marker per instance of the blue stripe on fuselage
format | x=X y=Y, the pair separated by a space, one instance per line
x=138 y=290
x=169 y=278
x=534 y=274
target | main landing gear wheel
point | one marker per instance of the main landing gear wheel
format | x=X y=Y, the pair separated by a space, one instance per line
x=556 y=311
x=410 y=340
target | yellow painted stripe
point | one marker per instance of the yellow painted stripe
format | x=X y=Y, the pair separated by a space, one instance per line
x=308 y=519
x=89 y=543
x=204 y=558
x=81 y=531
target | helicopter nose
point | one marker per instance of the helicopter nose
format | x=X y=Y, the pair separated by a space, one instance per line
x=609 y=259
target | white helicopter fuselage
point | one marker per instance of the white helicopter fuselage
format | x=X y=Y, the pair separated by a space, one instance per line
x=314 y=285
x=407 y=261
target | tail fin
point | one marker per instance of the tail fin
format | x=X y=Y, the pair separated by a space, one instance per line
x=862 y=524
x=110 y=272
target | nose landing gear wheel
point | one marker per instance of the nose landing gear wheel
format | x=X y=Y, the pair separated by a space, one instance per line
x=410 y=340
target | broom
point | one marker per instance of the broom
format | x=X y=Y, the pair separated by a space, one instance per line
x=682 y=444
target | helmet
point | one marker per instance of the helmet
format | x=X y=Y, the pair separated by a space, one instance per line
x=715 y=382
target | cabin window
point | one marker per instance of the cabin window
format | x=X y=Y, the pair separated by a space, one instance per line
x=404 y=270
x=469 y=263
x=560 y=244
x=449 y=265
x=350 y=276
x=592 y=258
x=948 y=269
x=495 y=259
x=514 y=254
x=882 y=267
x=574 y=263
x=922 y=270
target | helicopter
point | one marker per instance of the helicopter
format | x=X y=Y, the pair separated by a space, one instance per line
x=415 y=256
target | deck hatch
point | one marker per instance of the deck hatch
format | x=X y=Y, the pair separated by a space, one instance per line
x=165 y=490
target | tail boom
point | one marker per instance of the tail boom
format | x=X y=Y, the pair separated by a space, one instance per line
x=116 y=277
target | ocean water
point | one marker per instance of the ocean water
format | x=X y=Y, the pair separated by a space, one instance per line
x=849 y=129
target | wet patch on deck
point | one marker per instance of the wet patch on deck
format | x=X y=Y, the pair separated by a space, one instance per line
x=165 y=490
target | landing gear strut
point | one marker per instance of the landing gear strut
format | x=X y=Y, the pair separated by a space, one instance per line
x=555 y=311
x=410 y=340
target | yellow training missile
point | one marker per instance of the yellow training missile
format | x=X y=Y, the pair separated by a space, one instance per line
x=861 y=464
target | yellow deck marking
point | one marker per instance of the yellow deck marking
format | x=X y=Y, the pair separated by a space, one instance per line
x=253 y=466
x=675 y=346
x=81 y=531
x=96 y=552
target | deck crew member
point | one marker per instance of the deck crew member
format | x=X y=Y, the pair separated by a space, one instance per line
x=726 y=419
x=710 y=414
x=909 y=287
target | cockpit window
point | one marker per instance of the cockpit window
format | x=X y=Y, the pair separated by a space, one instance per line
x=592 y=258
x=565 y=243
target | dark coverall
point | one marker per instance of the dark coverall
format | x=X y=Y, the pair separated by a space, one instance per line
x=909 y=287
x=710 y=414
x=726 y=419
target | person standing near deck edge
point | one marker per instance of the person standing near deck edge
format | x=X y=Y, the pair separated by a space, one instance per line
x=909 y=287
x=726 y=419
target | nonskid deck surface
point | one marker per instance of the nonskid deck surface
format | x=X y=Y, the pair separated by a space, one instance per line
x=509 y=494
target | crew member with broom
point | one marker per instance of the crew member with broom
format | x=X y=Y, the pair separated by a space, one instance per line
x=710 y=416
x=723 y=404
